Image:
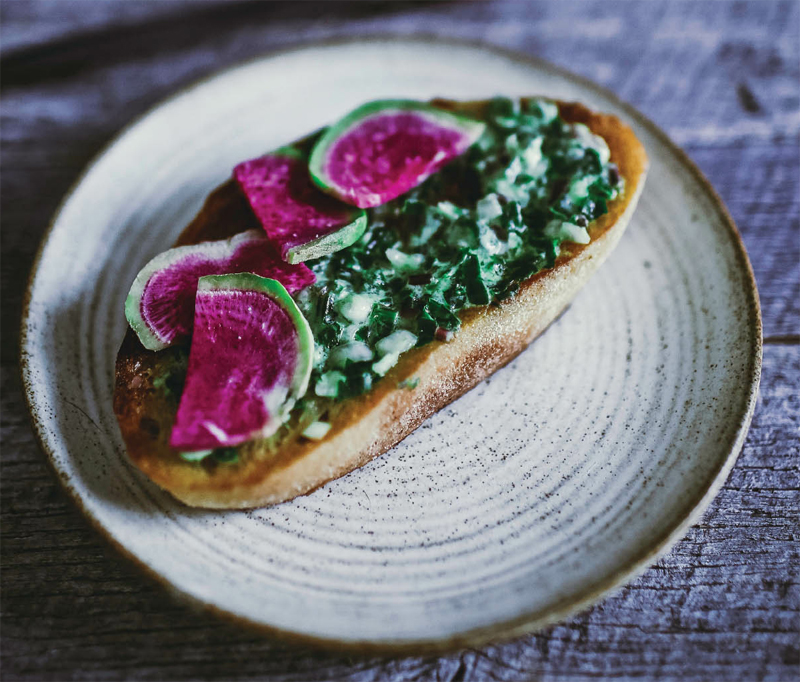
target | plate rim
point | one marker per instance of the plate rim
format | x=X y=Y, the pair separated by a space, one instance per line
x=508 y=629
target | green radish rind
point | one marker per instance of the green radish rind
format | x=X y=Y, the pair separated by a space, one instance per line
x=133 y=312
x=345 y=236
x=305 y=347
x=264 y=260
x=246 y=281
x=329 y=243
x=471 y=128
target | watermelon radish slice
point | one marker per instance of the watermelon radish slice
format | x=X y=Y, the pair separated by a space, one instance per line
x=302 y=221
x=385 y=148
x=250 y=360
x=160 y=305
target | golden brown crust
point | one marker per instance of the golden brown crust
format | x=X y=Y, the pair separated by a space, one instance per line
x=367 y=426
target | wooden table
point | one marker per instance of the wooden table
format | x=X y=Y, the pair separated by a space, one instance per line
x=721 y=78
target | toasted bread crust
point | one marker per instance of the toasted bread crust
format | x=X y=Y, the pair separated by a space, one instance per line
x=369 y=425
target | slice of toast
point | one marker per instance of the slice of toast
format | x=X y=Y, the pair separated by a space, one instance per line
x=364 y=427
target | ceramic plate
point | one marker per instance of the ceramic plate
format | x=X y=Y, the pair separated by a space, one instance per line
x=546 y=486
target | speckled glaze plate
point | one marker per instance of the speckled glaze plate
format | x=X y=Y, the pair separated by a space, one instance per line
x=560 y=478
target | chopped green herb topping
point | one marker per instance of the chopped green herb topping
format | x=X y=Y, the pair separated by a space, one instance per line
x=160 y=383
x=221 y=455
x=317 y=430
x=469 y=235
x=196 y=455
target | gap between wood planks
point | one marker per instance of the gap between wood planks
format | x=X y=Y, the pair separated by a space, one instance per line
x=782 y=340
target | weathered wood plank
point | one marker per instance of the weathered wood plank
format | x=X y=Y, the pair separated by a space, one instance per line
x=722 y=78
x=759 y=184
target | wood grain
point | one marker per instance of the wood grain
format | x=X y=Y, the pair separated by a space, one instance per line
x=722 y=78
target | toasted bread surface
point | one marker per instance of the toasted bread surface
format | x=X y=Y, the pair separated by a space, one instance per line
x=370 y=424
